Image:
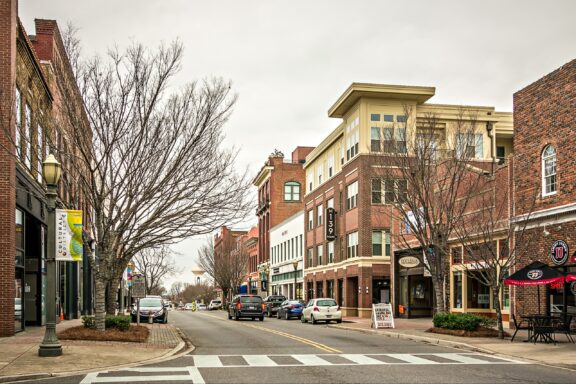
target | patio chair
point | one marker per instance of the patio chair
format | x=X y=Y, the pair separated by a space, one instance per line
x=562 y=325
x=522 y=325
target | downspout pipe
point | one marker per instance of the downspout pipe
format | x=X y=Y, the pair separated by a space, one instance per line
x=489 y=128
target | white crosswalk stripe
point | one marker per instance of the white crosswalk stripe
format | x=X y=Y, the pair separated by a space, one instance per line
x=192 y=373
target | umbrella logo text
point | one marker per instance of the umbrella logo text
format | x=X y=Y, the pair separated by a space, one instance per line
x=535 y=274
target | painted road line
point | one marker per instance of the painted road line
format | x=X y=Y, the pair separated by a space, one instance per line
x=259 y=361
x=362 y=359
x=196 y=375
x=126 y=379
x=461 y=358
x=311 y=360
x=207 y=361
x=410 y=358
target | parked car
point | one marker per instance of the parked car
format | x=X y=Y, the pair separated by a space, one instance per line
x=250 y=306
x=151 y=306
x=201 y=307
x=290 y=308
x=273 y=302
x=188 y=306
x=322 y=309
x=215 y=304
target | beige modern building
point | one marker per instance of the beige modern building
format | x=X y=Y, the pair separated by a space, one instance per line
x=344 y=172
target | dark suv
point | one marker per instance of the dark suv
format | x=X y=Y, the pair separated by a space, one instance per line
x=273 y=303
x=250 y=306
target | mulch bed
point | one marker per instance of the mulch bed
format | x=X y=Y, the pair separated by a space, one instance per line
x=136 y=334
x=479 y=332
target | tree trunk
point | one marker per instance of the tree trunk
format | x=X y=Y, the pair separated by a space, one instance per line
x=100 y=293
x=440 y=305
x=112 y=297
x=496 y=299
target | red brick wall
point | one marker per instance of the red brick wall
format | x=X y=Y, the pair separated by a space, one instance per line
x=8 y=11
x=544 y=113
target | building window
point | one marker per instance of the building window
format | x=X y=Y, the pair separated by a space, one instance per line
x=352 y=244
x=457 y=289
x=309 y=258
x=375 y=117
x=501 y=154
x=330 y=289
x=401 y=118
x=330 y=166
x=320 y=173
x=18 y=119
x=310 y=219
x=292 y=191
x=381 y=243
x=310 y=181
x=39 y=152
x=506 y=291
x=389 y=118
x=330 y=252
x=319 y=254
x=27 y=136
x=389 y=191
x=319 y=289
x=478 y=295
x=376 y=191
x=375 y=140
x=549 y=183
x=301 y=246
x=457 y=255
x=400 y=140
x=342 y=154
x=352 y=195
x=470 y=146
x=320 y=212
x=330 y=203
x=394 y=140
x=427 y=145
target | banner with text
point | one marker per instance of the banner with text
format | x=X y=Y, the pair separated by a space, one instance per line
x=382 y=316
x=69 y=235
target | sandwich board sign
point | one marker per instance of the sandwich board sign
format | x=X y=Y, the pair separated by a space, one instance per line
x=382 y=316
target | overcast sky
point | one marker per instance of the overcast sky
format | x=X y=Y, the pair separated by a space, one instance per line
x=290 y=60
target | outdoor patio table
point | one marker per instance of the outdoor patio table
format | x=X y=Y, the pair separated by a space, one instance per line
x=542 y=328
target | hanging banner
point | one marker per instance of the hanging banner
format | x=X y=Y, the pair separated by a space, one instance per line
x=69 y=235
x=382 y=316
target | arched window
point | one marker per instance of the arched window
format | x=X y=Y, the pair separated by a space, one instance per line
x=292 y=191
x=549 y=182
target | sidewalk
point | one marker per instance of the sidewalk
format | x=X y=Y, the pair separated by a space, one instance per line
x=563 y=354
x=19 y=354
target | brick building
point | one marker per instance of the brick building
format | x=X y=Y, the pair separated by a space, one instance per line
x=31 y=129
x=545 y=170
x=249 y=245
x=280 y=195
x=344 y=173
x=227 y=241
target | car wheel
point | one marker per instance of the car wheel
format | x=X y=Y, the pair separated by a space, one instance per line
x=339 y=321
x=229 y=316
x=299 y=317
x=236 y=318
x=262 y=318
x=286 y=317
x=269 y=313
x=165 y=319
x=312 y=319
x=303 y=319
x=278 y=315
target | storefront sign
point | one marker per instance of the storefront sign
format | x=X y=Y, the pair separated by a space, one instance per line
x=573 y=288
x=330 y=224
x=559 y=252
x=382 y=316
x=534 y=274
x=69 y=235
x=409 y=261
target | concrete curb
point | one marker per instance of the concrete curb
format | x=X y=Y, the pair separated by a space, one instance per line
x=184 y=347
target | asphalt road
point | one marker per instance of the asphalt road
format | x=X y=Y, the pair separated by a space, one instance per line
x=280 y=351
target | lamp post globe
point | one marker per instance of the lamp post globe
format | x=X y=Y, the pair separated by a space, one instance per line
x=50 y=345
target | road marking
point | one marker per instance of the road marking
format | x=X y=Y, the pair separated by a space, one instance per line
x=311 y=360
x=362 y=360
x=259 y=361
x=124 y=379
x=461 y=358
x=303 y=340
x=411 y=358
x=211 y=361
x=196 y=376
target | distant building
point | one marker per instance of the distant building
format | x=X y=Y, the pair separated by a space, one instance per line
x=286 y=259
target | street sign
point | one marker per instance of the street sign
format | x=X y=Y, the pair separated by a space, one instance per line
x=138 y=286
x=330 y=224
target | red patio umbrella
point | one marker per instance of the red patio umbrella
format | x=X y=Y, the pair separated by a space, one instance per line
x=535 y=273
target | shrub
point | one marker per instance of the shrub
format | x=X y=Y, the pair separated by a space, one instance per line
x=461 y=321
x=488 y=322
x=119 y=322
x=89 y=322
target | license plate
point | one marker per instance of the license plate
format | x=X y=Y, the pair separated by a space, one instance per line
x=328 y=315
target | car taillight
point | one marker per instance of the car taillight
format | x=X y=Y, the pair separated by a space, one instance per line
x=239 y=305
x=263 y=306
x=316 y=309
x=291 y=306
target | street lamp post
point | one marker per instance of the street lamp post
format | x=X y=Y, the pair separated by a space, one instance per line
x=250 y=285
x=295 y=265
x=51 y=346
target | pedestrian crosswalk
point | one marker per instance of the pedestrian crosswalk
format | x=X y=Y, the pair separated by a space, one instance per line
x=191 y=373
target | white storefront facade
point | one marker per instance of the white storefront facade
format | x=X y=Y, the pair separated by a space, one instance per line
x=286 y=257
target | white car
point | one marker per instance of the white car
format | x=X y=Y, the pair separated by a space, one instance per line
x=322 y=309
x=201 y=307
x=215 y=304
x=188 y=307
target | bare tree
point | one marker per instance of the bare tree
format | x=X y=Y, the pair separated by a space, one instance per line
x=423 y=176
x=176 y=290
x=490 y=244
x=226 y=266
x=155 y=264
x=154 y=170
x=199 y=292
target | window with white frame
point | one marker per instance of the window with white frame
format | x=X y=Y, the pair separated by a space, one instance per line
x=352 y=195
x=319 y=254
x=426 y=145
x=330 y=252
x=330 y=163
x=400 y=140
x=310 y=219
x=309 y=252
x=380 y=243
x=375 y=139
x=470 y=145
x=320 y=173
x=320 y=214
x=292 y=191
x=39 y=152
x=342 y=152
x=352 y=244
x=18 y=119
x=310 y=180
x=330 y=203
x=388 y=191
x=27 y=136
x=549 y=181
